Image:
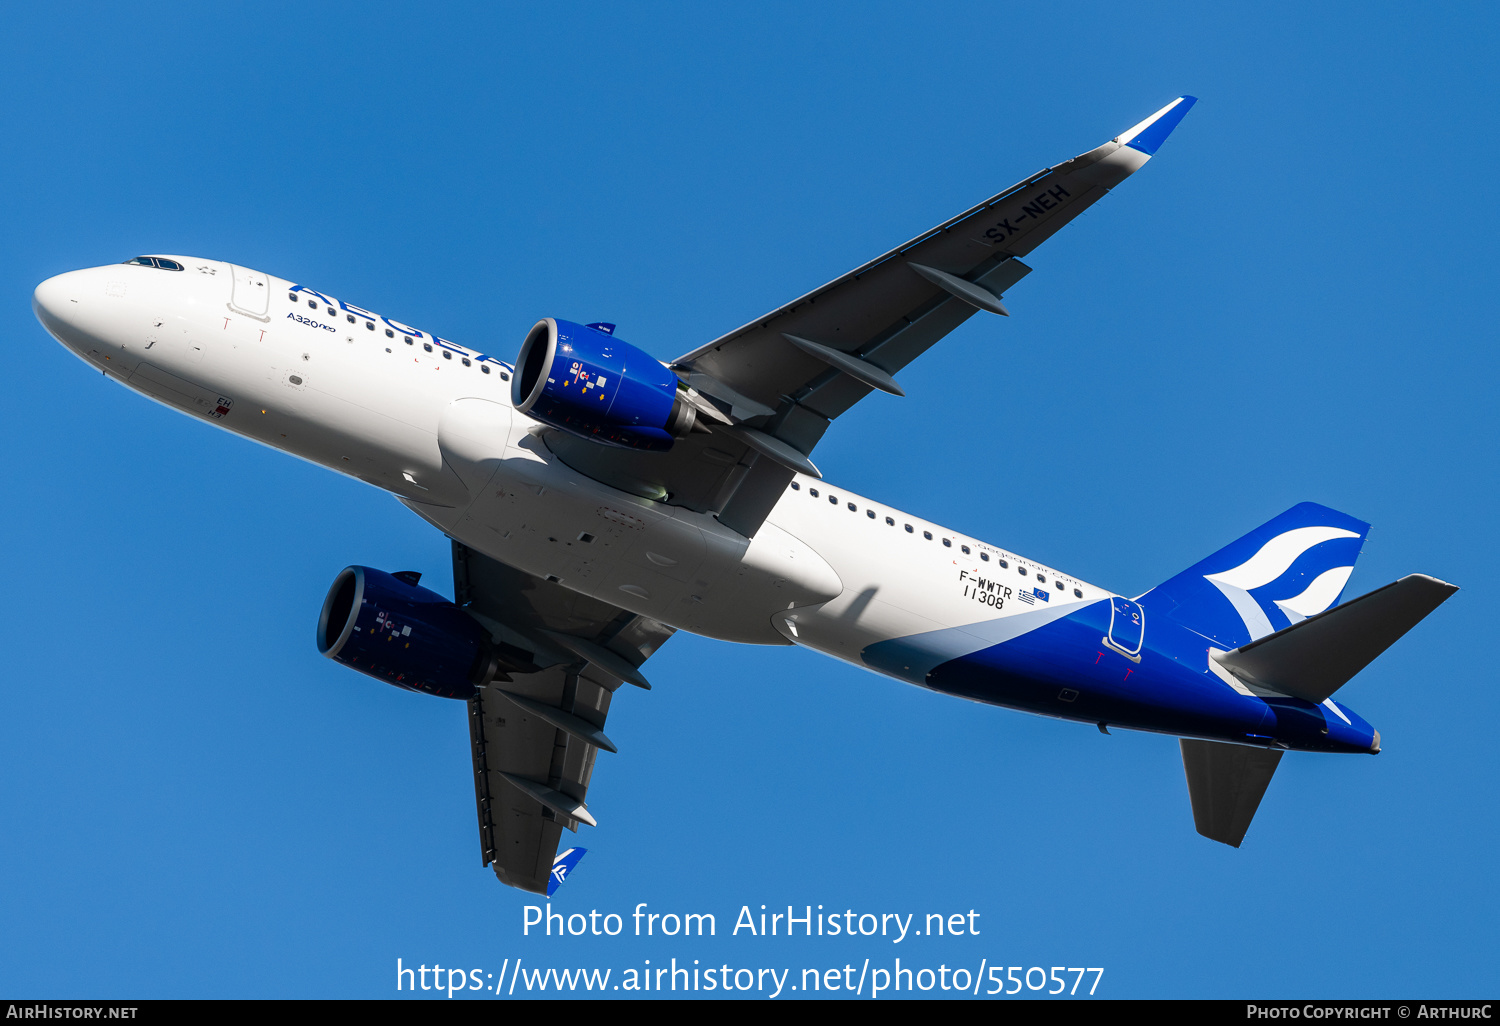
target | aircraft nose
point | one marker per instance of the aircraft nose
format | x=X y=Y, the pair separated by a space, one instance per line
x=49 y=294
x=53 y=297
x=58 y=304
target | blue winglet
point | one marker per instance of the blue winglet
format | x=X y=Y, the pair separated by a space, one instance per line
x=1151 y=133
x=562 y=866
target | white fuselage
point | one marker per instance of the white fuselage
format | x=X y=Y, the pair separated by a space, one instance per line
x=432 y=422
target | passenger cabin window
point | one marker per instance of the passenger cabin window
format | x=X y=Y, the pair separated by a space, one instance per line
x=985 y=556
x=947 y=543
x=965 y=549
x=1021 y=570
x=370 y=325
x=466 y=361
x=427 y=346
x=927 y=535
x=813 y=492
x=796 y=487
x=349 y=318
x=1078 y=593
x=1004 y=565
x=890 y=521
x=908 y=529
x=853 y=508
x=391 y=334
x=870 y=513
x=486 y=368
x=448 y=356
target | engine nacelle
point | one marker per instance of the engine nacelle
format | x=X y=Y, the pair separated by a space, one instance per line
x=591 y=384
x=403 y=634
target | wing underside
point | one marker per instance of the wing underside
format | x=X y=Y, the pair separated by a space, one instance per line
x=536 y=729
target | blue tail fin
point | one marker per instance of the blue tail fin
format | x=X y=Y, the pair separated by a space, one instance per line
x=1279 y=574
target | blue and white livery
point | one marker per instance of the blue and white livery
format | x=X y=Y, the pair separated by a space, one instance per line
x=564 y=864
x=599 y=500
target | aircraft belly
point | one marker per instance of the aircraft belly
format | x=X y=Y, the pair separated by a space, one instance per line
x=678 y=567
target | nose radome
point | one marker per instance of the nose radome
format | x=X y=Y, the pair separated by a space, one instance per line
x=59 y=302
x=51 y=295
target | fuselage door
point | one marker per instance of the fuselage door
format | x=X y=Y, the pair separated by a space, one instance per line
x=252 y=293
x=1127 y=628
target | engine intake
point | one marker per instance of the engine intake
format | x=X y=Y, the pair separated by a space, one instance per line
x=590 y=384
x=404 y=634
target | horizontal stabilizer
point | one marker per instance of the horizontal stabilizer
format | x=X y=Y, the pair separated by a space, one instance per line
x=1315 y=657
x=1226 y=784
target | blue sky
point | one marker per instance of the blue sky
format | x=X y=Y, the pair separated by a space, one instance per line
x=1292 y=302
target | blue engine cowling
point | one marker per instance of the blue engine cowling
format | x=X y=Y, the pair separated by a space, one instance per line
x=403 y=634
x=590 y=384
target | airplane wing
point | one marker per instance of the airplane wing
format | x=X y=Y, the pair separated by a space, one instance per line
x=781 y=379
x=535 y=730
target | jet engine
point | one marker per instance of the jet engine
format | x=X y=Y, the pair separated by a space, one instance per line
x=387 y=627
x=584 y=381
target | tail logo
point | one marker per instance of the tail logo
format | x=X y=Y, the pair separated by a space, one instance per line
x=1272 y=560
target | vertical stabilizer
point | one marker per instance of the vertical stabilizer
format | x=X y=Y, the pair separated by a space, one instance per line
x=1226 y=784
x=1286 y=570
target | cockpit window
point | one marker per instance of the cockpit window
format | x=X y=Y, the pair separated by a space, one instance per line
x=162 y=262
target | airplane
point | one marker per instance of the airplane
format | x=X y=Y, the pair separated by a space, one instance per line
x=598 y=500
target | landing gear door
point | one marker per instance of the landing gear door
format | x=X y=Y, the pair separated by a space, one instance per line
x=252 y=294
x=1127 y=628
